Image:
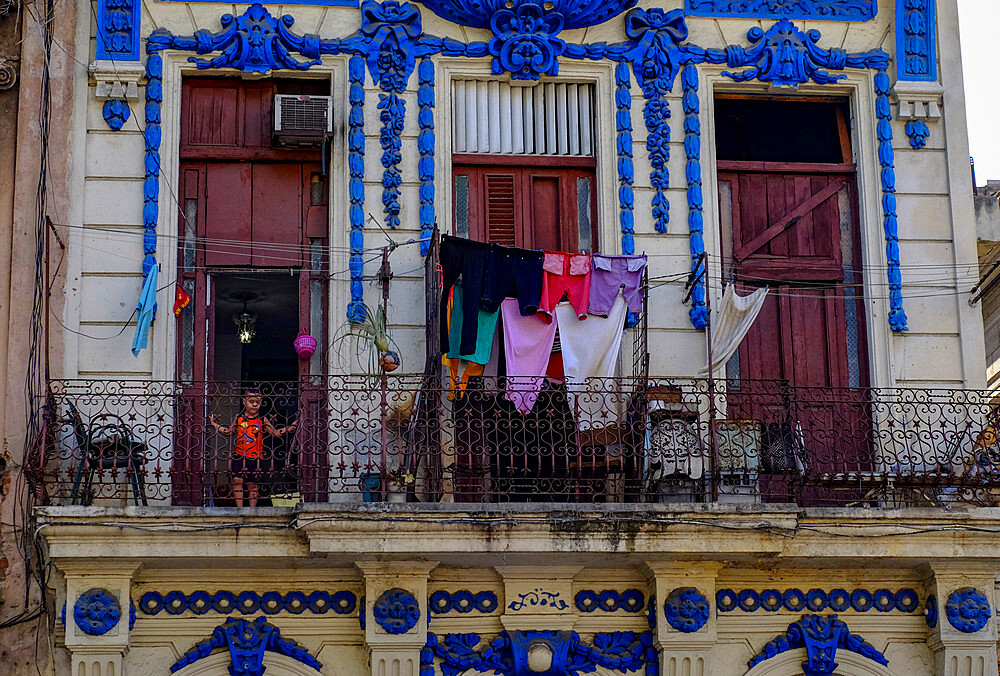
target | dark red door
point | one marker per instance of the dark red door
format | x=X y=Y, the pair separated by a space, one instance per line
x=802 y=369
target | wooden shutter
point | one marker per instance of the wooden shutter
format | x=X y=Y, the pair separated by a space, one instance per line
x=501 y=216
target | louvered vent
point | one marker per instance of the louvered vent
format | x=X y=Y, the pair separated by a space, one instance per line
x=497 y=118
x=500 y=209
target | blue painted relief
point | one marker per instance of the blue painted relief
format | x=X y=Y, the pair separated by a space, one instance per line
x=525 y=42
x=821 y=636
x=917 y=131
x=825 y=10
x=573 y=13
x=696 y=227
x=442 y=602
x=116 y=113
x=610 y=600
x=396 y=611
x=247 y=602
x=247 y=641
x=538 y=598
x=786 y=56
x=626 y=169
x=816 y=600
x=96 y=612
x=507 y=655
x=686 y=609
x=356 y=185
x=425 y=147
x=931 y=611
x=916 y=42
x=118 y=30
x=968 y=610
x=890 y=225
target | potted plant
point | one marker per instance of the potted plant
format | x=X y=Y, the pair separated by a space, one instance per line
x=369 y=338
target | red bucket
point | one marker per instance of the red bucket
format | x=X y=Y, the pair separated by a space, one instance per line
x=305 y=345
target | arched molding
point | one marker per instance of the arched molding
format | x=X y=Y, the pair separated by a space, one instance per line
x=790 y=664
x=600 y=671
x=218 y=665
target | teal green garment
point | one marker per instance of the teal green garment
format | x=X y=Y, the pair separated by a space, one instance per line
x=484 y=336
x=145 y=310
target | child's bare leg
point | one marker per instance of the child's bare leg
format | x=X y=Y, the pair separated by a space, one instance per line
x=252 y=490
x=238 y=490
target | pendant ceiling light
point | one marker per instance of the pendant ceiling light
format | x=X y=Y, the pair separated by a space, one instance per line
x=246 y=323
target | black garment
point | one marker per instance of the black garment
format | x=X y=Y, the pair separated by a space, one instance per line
x=248 y=469
x=467 y=259
x=516 y=273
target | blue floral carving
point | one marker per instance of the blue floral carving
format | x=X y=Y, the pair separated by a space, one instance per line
x=651 y=612
x=692 y=151
x=392 y=115
x=726 y=600
x=821 y=636
x=890 y=227
x=907 y=600
x=916 y=46
x=686 y=609
x=917 y=131
x=862 y=600
x=626 y=170
x=506 y=655
x=575 y=13
x=794 y=600
x=425 y=146
x=131 y=615
x=247 y=641
x=826 y=10
x=464 y=601
x=524 y=41
x=356 y=185
x=247 y=602
x=396 y=611
x=968 y=610
x=784 y=55
x=610 y=600
x=390 y=30
x=118 y=30
x=931 y=611
x=816 y=600
x=770 y=600
x=96 y=612
x=116 y=113
x=840 y=600
x=884 y=600
x=749 y=600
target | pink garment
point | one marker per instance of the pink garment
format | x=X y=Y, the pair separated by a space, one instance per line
x=527 y=344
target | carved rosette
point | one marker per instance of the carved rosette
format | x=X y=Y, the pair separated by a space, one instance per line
x=686 y=609
x=96 y=612
x=968 y=610
x=396 y=611
x=8 y=73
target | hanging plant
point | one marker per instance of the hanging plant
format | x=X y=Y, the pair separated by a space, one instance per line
x=369 y=342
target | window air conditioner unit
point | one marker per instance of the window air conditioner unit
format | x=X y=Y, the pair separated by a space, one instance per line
x=301 y=120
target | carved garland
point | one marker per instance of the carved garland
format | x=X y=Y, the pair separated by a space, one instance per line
x=247 y=641
x=524 y=44
x=821 y=636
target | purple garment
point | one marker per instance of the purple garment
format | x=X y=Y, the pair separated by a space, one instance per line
x=527 y=344
x=613 y=274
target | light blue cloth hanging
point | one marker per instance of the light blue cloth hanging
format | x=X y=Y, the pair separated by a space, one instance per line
x=145 y=310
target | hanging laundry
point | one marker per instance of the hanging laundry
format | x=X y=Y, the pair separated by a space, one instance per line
x=528 y=345
x=569 y=274
x=487 y=325
x=732 y=322
x=515 y=273
x=590 y=350
x=466 y=259
x=614 y=274
x=145 y=310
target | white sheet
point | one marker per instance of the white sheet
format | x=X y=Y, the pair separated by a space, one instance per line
x=731 y=323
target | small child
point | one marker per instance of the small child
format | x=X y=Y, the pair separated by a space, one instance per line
x=248 y=449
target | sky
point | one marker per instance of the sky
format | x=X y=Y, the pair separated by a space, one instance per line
x=979 y=24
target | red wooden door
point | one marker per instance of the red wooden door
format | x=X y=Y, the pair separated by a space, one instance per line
x=802 y=369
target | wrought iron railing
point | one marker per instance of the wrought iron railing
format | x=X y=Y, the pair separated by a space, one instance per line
x=616 y=440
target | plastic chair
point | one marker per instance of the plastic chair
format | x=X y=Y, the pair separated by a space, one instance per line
x=106 y=446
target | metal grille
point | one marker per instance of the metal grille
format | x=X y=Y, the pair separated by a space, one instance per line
x=497 y=118
x=302 y=113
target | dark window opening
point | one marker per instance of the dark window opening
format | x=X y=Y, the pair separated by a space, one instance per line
x=779 y=130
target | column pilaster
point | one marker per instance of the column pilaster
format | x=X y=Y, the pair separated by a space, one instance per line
x=963 y=635
x=685 y=614
x=395 y=614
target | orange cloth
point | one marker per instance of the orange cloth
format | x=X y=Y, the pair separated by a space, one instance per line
x=249 y=437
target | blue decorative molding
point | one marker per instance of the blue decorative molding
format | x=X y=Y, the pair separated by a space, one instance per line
x=824 y=10
x=442 y=602
x=396 y=611
x=248 y=602
x=692 y=151
x=356 y=185
x=785 y=56
x=821 y=636
x=916 y=41
x=537 y=597
x=610 y=600
x=96 y=612
x=506 y=655
x=524 y=41
x=651 y=612
x=425 y=146
x=890 y=226
x=118 y=30
x=151 y=141
x=686 y=609
x=931 y=611
x=116 y=113
x=131 y=615
x=361 y=613
x=626 y=170
x=247 y=642
x=917 y=131
x=968 y=610
x=816 y=600
x=572 y=13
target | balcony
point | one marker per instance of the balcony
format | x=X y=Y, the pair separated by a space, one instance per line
x=411 y=439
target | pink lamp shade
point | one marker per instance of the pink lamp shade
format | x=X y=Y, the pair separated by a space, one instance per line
x=305 y=345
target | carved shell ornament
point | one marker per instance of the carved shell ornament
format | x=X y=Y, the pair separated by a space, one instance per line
x=396 y=611
x=686 y=609
x=968 y=610
x=96 y=612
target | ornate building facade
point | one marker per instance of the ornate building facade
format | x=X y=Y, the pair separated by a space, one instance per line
x=820 y=500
